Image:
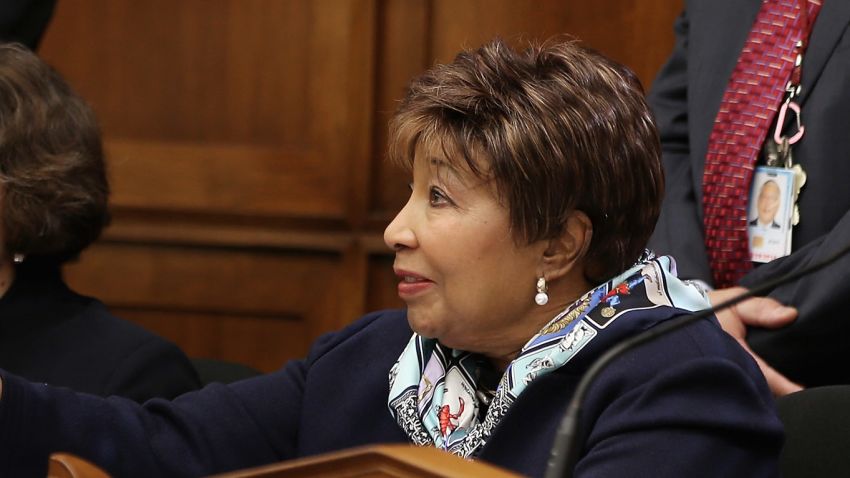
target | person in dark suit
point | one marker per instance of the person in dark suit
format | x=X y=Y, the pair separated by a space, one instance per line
x=685 y=98
x=53 y=204
x=520 y=254
x=24 y=21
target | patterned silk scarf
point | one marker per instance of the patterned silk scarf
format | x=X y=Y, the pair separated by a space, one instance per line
x=435 y=392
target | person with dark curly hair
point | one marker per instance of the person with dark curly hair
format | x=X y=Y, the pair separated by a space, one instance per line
x=53 y=204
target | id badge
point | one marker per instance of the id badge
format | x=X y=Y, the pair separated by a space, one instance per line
x=770 y=213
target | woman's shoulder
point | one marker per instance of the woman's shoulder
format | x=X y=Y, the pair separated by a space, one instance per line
x=694 y=387
x=650 y=300
x=382 y=331
x=704 y=339
x=100 y=353
x=93 y=318
x=694 y=355
x=119 y=356
x=71 y=324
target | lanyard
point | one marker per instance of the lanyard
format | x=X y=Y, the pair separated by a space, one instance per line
x=792 y=89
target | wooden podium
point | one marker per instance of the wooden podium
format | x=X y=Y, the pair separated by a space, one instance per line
x=379 y=461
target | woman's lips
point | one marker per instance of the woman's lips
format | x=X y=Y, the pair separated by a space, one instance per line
x=412 y=284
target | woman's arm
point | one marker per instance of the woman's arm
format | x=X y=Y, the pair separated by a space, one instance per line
x=216 y=429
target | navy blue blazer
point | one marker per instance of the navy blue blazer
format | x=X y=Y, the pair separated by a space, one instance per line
x=685 y=98
x=50 y=334
x=690 y=404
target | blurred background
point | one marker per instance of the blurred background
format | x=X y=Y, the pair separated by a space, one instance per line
x=246 y=139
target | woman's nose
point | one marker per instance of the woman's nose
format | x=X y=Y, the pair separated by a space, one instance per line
x=399 y=233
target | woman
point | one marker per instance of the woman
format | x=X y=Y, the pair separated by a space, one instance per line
x=536 y=182
x=53 y=204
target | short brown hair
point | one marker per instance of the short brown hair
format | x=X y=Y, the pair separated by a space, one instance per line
x=53 y=187
x=559 y=128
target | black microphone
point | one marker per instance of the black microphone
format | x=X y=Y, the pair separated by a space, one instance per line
x=565 y=448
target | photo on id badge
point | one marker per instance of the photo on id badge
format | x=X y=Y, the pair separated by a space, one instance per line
x=769 y=215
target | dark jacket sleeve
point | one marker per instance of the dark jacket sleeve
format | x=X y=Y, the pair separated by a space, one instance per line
x=679 y=230
x=813 y=349
x=218 y=428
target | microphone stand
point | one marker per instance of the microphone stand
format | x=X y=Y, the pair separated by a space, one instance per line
x=566 y=439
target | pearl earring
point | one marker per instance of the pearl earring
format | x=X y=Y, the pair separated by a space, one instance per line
x=542 y=297
x=17 y=258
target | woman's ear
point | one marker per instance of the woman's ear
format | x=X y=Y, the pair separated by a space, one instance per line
x=565 y=254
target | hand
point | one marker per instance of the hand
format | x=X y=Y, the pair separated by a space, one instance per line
x=761 y=312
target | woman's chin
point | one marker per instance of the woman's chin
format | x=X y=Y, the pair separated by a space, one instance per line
x=422 y=324
x=427 y=332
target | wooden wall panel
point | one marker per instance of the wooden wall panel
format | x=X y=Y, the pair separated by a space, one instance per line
x=199 y=296
x=636 y=33
x=246 y=148
x=263 y=343
x=211 y=102
x=404 y=29
x=216 y=179
x=238 y=134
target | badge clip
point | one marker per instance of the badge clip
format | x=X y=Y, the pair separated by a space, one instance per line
x=783 y=110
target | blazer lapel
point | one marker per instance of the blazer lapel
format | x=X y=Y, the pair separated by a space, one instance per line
x=832 y=22
x=718 y=31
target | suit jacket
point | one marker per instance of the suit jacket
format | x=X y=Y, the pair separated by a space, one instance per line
x=773 y=224
x=690 y=404
x=50 y=334
x=24 y=21
x=686 y=97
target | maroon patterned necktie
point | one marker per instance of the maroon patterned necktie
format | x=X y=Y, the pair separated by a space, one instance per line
x=747 y=110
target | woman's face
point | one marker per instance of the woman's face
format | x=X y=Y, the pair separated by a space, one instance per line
x=464 y=279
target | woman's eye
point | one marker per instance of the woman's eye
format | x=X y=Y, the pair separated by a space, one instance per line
x=438 y=198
